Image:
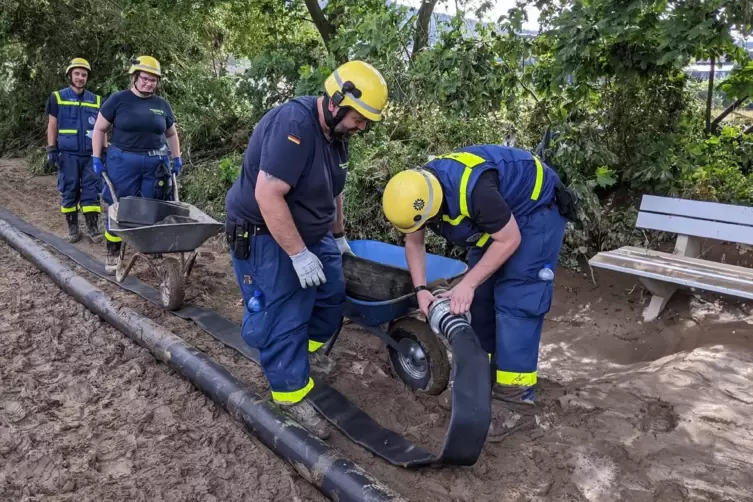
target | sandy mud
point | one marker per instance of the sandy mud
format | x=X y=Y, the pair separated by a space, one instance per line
x=629 y=411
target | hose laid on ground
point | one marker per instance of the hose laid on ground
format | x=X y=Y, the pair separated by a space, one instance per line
x=334 y=475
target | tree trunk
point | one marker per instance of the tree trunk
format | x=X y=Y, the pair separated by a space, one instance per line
x=710 y=96
x=421 y=38
x=731 y=108
x=326 y=29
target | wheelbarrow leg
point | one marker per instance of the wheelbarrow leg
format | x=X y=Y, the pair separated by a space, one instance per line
x=122 y=272
x=187 y=266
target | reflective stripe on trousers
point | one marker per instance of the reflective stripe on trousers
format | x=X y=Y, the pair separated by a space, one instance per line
x=78 y=185
x=293 y=320
x=508 y=309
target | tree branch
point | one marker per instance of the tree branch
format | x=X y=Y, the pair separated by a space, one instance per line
x=326 y=29
x=731 y=108
x=421 y=37
x=710 y=95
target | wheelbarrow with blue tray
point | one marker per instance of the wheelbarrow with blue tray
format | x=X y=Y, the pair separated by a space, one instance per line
x=428 y=357
x=154 y=228
x=380 y=298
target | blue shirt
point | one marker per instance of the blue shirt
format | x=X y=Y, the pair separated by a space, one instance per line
x=138 y=124
x=288 y=143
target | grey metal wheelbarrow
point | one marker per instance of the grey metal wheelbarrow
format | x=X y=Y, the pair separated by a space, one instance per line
x=154 y=228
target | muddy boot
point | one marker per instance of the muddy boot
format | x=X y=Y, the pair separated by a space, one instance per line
x=445 y=398
x=112 y=258
x=321 y=362
x=92 y=227
x=73 y=233
x=513 y=410
x=305 y=414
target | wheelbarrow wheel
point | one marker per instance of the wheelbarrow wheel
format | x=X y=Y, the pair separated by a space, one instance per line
x=427 y=368
x=172 y=288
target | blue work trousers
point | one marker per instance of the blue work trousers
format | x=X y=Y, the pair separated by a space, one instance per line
x=132 y=175
x=508 y=309
x=291 y=316
x=78 y=185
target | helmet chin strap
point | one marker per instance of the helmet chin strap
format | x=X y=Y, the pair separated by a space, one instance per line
x=333 y=120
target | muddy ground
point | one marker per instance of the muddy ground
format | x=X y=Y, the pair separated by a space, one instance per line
x=632 y=411
x=87 y=415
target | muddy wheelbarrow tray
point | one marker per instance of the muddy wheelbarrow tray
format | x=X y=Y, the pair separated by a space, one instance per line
x=182 y=229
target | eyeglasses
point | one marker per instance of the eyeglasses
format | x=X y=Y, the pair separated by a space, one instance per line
x=148 y=80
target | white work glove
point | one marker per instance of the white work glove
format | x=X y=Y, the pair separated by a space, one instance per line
x=309 y=269
x=343 y=246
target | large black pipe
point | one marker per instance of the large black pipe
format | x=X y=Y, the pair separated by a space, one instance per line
x=334 y=475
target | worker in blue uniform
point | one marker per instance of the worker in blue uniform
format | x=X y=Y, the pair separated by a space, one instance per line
x=72 y=113
x=286 y=233
x=510 y=210
x=143 y=138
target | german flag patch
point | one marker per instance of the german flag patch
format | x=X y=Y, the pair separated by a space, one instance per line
x=294 y=139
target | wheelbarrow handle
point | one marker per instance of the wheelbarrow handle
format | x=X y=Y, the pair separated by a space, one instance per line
x=175 y=187
x=109 y=185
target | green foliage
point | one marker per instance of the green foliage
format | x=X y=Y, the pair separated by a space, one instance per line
x=604 y=76
x=36 y=159
x=206 y=184
x=722 y=168
x=740 y=83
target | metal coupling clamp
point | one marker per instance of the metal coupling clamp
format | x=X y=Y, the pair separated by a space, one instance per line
x=441 y=320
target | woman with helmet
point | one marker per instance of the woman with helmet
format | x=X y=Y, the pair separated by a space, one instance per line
x=72 y=113
x=143 y=138
x=286 y=233
x=509 y=210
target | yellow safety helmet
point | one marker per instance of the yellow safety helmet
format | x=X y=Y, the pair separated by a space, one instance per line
x=147 y=64
x=360 y=86
x=78 y=63
x=410 y=198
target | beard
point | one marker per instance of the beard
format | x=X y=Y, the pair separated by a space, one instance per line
x=342 y=133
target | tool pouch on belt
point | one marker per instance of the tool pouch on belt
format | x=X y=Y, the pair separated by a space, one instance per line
x=236 y=235
x=567 y=203
x=163 y=183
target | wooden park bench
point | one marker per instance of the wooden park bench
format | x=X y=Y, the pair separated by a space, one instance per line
x=663 y=273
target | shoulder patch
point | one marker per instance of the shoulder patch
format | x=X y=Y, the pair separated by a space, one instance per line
x=294 y=139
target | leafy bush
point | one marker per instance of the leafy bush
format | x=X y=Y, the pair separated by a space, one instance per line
x=603 y=77
x=206 y=184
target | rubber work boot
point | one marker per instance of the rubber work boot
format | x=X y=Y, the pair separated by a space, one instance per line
x=513 y=410
x=92 y=227
x=304 y=413
x=321 y=362
x=73 y=233
x=112 y=258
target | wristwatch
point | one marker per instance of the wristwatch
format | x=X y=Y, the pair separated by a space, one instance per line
x=420 y=288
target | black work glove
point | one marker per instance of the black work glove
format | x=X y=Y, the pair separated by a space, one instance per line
x=52 y=156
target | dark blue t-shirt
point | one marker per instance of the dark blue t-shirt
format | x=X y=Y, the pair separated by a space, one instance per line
x=289 y=144
x=138 y=124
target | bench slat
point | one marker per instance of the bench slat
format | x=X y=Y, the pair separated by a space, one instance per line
x=725 y=213
x=671 y=261
x=697 y=228
x=689 y=272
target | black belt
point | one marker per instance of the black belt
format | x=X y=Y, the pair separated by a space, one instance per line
x=231 y=225
x=238 y=236
x=258 y=230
